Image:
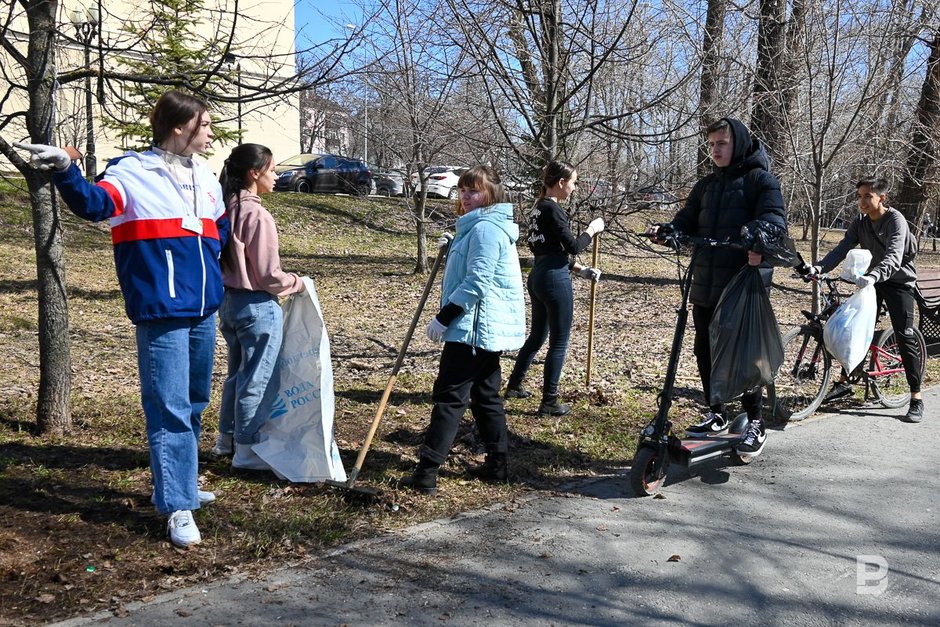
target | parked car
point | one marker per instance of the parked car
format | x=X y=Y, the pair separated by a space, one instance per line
x=328 y=174
x=442 y=180
x=297 y=161
x=389 y=183
x=600 y=193
x=653 y=197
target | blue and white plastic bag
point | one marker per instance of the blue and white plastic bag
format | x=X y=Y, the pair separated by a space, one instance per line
x=298 y=441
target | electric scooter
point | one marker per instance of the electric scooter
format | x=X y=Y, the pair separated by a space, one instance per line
x=658 y=446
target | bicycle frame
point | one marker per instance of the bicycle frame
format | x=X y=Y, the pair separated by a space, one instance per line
x=869 y=370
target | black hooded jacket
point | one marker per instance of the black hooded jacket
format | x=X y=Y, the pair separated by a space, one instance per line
x=720 y=204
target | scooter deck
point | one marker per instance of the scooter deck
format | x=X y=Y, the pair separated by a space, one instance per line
x=695 y=450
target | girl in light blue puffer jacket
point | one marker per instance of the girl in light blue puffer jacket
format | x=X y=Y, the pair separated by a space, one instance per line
x=482 y=314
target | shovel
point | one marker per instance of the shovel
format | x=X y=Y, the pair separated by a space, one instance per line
x=380 y=411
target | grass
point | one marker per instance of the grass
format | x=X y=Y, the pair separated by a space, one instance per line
x=80 y=534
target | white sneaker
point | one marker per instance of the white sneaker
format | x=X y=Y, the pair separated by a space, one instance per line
x=182 y=529
x=205 y=498
x=223 y=445
x=247 y=459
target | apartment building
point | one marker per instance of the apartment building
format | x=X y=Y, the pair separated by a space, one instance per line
x=260 y=54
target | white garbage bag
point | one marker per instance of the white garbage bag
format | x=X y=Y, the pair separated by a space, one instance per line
x=849 y=331
x=856 y=264
x=298 y=441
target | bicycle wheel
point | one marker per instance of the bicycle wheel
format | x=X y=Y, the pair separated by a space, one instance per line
x=892 y=389
x=803 y=379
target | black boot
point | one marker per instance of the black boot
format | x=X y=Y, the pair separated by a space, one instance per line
x=424 y=478
x=495 y=469
x=552 y=407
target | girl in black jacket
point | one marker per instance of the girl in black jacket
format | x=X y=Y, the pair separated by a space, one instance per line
x=551 y=241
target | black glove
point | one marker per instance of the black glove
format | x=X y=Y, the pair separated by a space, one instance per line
x=665 y=231
x=807 y=271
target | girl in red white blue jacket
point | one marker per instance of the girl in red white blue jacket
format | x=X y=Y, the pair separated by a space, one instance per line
x=168 y=227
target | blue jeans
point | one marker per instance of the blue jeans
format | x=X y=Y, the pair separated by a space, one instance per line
x=174 y=357
x=552 y=313
x=252 y=325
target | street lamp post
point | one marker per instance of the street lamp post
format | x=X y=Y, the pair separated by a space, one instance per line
x=233 y=60
x=86 y=23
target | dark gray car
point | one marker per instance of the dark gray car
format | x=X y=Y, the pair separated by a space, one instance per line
x=328 y=174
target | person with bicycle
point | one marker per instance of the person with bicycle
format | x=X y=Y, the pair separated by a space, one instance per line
x=741 y=189
x=884 y=232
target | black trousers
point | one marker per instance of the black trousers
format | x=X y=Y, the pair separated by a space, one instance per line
x=899 y=299
x=467 y=377
x=701 y=318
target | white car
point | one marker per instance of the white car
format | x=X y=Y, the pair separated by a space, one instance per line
x=442 y=180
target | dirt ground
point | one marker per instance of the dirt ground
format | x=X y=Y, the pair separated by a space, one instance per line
x=80 y=534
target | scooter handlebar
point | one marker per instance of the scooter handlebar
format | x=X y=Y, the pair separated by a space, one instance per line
x=678 y=237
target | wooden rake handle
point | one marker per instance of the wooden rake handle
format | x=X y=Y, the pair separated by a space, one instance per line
x=380 y=410
x=590 y=353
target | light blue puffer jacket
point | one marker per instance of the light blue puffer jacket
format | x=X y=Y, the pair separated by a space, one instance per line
x=482 y=275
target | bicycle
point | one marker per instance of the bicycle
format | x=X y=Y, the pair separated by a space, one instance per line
x=803 y=379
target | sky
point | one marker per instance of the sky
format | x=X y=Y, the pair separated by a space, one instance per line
x=314 y=20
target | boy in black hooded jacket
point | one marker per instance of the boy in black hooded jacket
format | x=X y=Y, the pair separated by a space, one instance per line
x=739 y=190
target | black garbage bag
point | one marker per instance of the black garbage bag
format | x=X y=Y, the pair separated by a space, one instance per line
x=745 y=341
x=772 y=241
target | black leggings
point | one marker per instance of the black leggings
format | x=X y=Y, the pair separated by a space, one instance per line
x=899 y=299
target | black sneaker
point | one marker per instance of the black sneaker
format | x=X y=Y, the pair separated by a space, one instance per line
x=711 y=424
x=915 y=411
x=754 y=438
x=517 y=393
x=839 y=390
x=554 y=408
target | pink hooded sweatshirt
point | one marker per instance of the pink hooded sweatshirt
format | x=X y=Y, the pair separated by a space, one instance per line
x=250 y=261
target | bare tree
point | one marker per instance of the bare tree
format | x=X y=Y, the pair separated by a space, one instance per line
x=53 y=408
x=832 y=121
x=419 y=73
x=709 y=100
x=919 y=182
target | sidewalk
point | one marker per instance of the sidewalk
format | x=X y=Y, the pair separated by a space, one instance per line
x=776 y=542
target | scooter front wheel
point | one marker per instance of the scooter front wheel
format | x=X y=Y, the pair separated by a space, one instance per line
x=648 y=472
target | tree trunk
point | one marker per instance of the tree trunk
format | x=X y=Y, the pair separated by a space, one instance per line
x=551 y=31
x=891 y=97
x=767 y=112
x=53 y=408
x=708 y=85
x=918 y=182
x=792 y=70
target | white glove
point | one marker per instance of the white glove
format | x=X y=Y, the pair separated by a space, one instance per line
x=864 y=281
x=435 y=330
x=45 y=157
x=444 y=240
x=596 y=226
x=587 y=272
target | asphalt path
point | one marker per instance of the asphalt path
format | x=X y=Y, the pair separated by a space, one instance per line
x=834 y=524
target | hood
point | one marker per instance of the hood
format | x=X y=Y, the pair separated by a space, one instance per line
x=499 y=214
x=749 y=152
